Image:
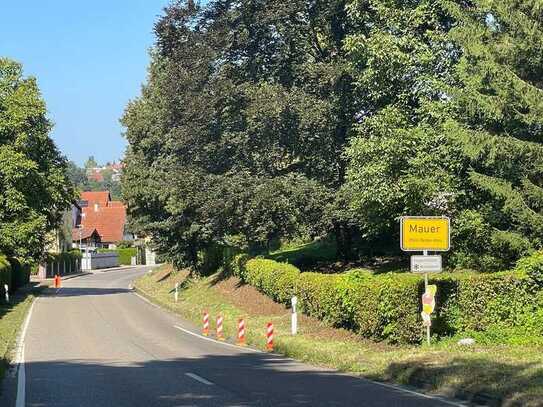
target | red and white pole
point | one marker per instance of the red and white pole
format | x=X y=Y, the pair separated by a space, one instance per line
x=269 y=337
x=220 y=335
x=241 y=332
x=205 y=331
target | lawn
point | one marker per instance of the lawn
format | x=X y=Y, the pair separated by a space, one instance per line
x=11 y=319
x=495 y=375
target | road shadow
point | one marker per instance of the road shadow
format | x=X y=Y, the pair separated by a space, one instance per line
x=237 y=380
x=83 y=291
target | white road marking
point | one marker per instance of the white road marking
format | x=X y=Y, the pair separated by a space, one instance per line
x=147 y=301
x=426 y=396
x=216 y=341
x=199 y=379
x=391 y=386
x=20 y=361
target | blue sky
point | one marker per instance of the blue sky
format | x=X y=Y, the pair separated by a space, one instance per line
x=90 y=58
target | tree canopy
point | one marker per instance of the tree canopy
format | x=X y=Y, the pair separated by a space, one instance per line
x=34 y=188
x=263 y=120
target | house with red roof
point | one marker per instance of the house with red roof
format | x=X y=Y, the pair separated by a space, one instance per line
x=102 y=222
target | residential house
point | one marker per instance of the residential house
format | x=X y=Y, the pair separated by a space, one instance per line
x=102 y=223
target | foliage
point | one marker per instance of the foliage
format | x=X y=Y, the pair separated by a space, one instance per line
x=387 y=306
x=78 y=177
x=452 y=125
x=34 y=186
x=5 y=275
x=125 y=254
x=20 y=273
x=268 y=120
x=239 y=135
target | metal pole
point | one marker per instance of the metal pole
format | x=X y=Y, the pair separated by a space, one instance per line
x=426 y=290
x=294 y=316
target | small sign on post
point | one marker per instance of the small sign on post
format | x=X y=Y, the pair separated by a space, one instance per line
x=426 y=264
x=424 y=234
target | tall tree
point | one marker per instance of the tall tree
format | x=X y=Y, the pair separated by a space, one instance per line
x=34 y=185
x=452 y=124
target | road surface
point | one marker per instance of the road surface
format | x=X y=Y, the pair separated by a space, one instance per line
x=96 y=343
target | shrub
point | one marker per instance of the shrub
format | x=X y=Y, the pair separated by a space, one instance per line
x=533 y=267
x=20 y=273
x=388 y=306
x=125 y=255
x=5 y=274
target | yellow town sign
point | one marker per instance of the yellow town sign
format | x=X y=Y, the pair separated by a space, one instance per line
x=420 y=233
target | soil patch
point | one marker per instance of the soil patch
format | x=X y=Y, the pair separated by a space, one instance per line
x=253 y=302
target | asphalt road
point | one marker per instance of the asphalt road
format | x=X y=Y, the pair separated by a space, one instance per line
x=96 y=343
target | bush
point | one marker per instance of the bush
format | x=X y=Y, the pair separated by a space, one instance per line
x=388 y=306
x=5 y=275
x=20 y=274
x=125 y=255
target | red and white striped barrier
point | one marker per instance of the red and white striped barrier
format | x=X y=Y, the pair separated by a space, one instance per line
x=205 y=331
x=241 y=332
x=220 y=335
x=269 y=337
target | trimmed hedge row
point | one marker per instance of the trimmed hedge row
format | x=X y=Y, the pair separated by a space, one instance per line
x=125 y=254
x=13 y=273
x=387 y=306
x=5 y=275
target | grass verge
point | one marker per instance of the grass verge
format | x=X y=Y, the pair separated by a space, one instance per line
x=11 y=319
x=490 y=375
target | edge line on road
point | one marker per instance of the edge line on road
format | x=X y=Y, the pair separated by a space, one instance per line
x=427 y=396
x=199 y=379
x=388 y=385
x=20 y=360
x=216 y=341
x=146 y=300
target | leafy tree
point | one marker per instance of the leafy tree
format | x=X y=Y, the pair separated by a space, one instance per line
x=452 y=125
x=76 y=174
x=91 y=163
x=34 y=185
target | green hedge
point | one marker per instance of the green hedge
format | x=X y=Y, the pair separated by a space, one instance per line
x=125 y=255
x=388 y=306
x=5 y=275
x=20 y=273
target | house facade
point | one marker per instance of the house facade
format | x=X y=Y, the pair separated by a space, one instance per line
x=102 y=223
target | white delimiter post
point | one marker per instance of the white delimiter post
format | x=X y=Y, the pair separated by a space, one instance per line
x=6 y=290
x=176 y=291
x=294 y=316
x=425 y=253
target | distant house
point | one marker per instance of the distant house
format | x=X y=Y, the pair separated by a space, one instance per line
x=97 y=173
x=102 y=222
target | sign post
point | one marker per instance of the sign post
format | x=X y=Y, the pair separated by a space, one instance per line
x=294 y=316
x=424 y=234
